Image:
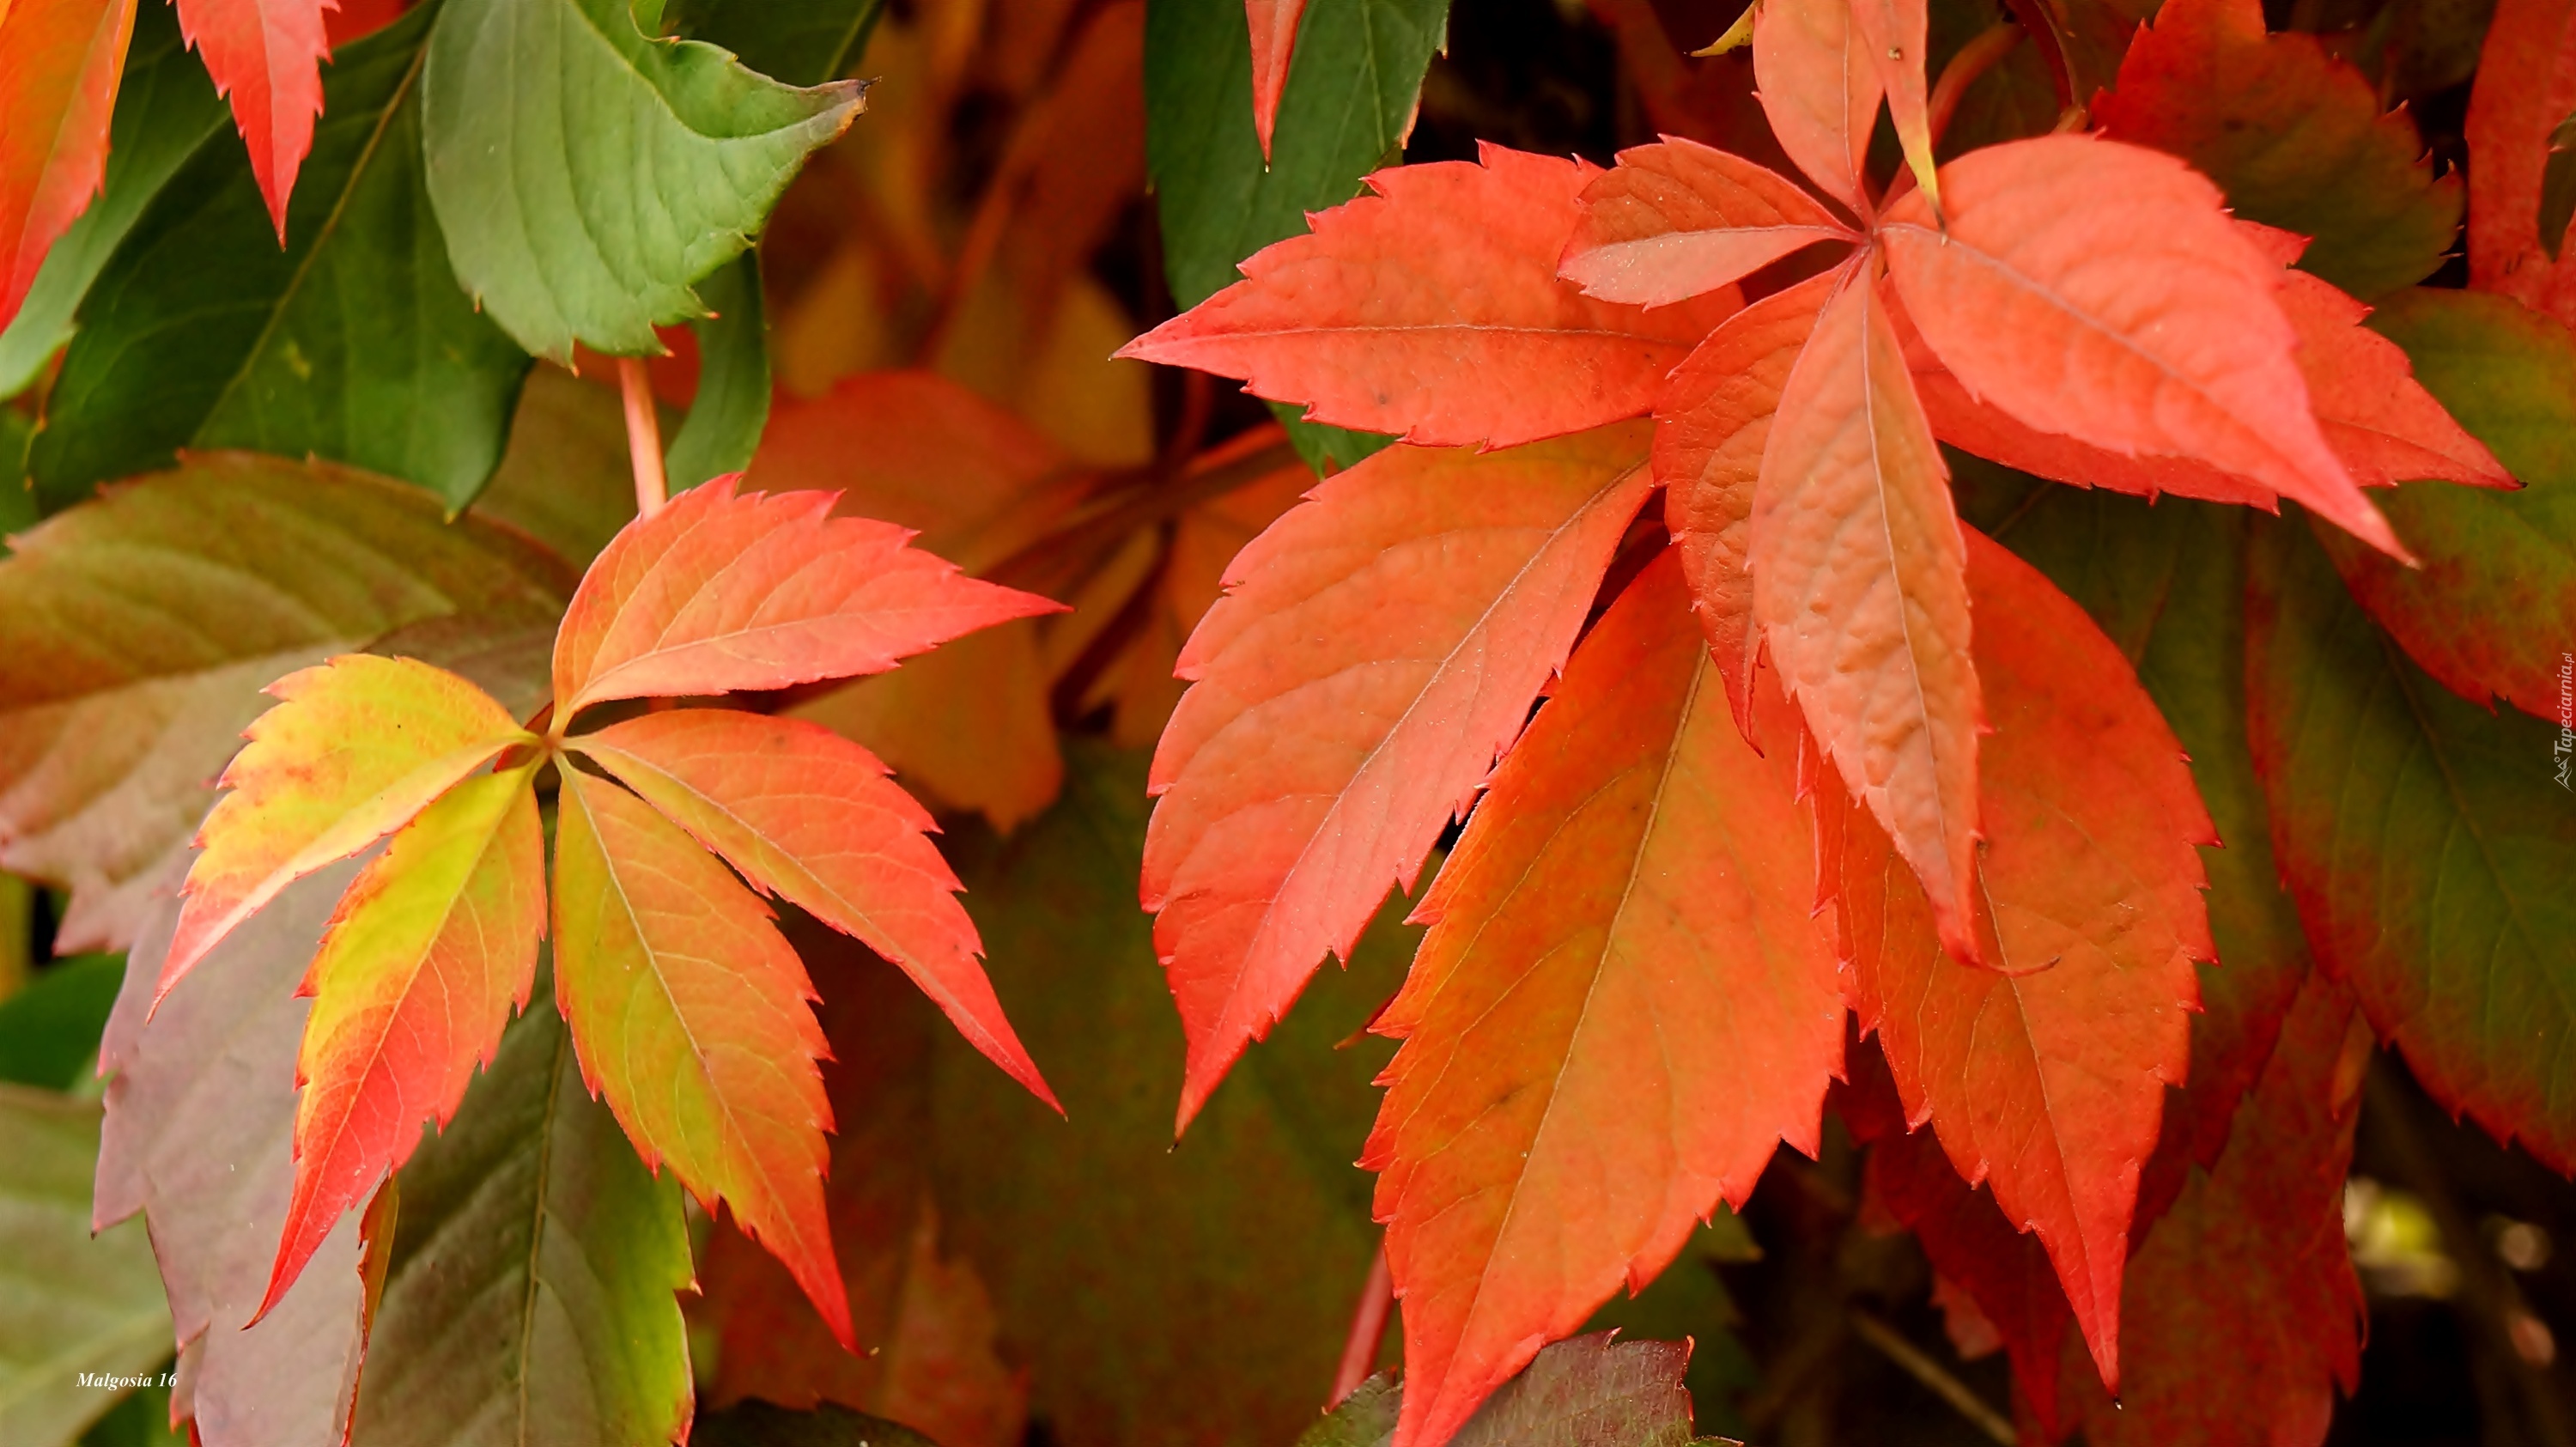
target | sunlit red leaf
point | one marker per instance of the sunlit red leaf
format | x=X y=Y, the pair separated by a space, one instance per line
x=721 y=592
x=1379 y=645
x=1635 y=878
x=1678 y=219
x=60 y=61
x=1820 y=87
x=2099 y=291
x=1896 y=35
x=426 y=956
x=692 y=1019
x=1859 y=587
x=1433 y=310
x=2045 y=1075
x=266 y=55
x=811 y=817
x=354 y=748
x=1274 y=39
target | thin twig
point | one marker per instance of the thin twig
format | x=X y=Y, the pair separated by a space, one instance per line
x=643 y=436
x=1368 y=1329
x=1933 y=1375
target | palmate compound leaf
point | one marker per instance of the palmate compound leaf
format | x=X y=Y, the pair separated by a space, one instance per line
x=1432 y=309
x=2098 y=290
x=2526 y=89
x=691 y=1016
x=721 y=592
x=1678 y=219
x=355 y=748
x=1379 y=645
x=1622 y=1006
x=811 y=817
x=266 y=57
x=1859 y=588
x=2045 y=1075
x=426 y=957
x=60 y=61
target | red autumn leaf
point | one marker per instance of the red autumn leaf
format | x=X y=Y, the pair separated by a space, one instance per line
x=1895 y=33
x=1820 y=89
x=1859 y=587
x=1636 y=877
x=1377 y=647
x=719 y=593
x=1678 y=219
x=60 y=61
x=811 y=817
x=1710 y=429
x=1274 y=40
x=2099 y=291
x=266 y=55
x=1432 y=309
x=2526 y=89
x=2046 y=1074
x=691 y=1018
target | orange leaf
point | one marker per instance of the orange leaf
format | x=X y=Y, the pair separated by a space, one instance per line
x=2375 y=415
x=1710 y=429
x=1433 y=310
x=1621 y=1007
x=1858 y=585
x=1820 y=88
x=267 y=56
x=719 y=593
x=2526 y=89
x=1896 y=35
x=1379 y=645
x=2045 y=1076
x=353 y=750
x=1274 y=37
x=1679 y=219
x=811 y=817
x=2098 y=290
x=60 y=61
x=692 y=1019
x=425 y=957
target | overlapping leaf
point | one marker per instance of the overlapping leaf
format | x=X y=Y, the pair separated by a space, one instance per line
x=1678 y=219
x=266 y=57
x=1378 y=647
x=1820 y=87
x=76 y=1305
x=1635 y=877
x=2526 y=88
x=1274 y=40
x=1591 y=1389
x=60 y=61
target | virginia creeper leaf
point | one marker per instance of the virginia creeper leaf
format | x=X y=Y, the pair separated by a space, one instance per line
x=424 y=960
x=1896 y=35
x=2526 y=87
x=2428 y=843
x=49 y=1027
x=1587 y=1390
x=530 y=1297
x=60 y=61
x=732 y=403
x=719 y=593
x=1859 y=588
x=1678 y=219
x=1635 y=875
x=536 y=117
x=1432 y=309
x=2098 y=290
x=567 y=479
x=692 y=1019
x=2293 y=135
x=1711 y=425
x=2510 y=374
x=2046 y=1074
x=266 y=57
x=2374 y=413
x=1274 y=38
x=811 y=817
x=166 y=109
x=1379 y=645
x=351 y=343
x=1820 y=88
x=76 y=1305
x=804 y=44
x=355 y=748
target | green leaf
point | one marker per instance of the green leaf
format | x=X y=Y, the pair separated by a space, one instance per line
x=567 y=478
x=353 y=343
x=1586 y=1392
x=732 y=405
x=1349 y=101
x=165 y=109
x=69 y=1303
x=49 y=1030
x=586 y=175
x=801 y=44
x=531 y=1297
x=1215 y=1281
x=763 y=1424
x=2429 y=844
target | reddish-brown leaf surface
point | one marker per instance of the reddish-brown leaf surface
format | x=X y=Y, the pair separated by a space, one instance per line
x=266 y=57
x=810 y=817
x=2045 y=1075
x=1710 y=428
x=1859 y=586
x=721 y=592
x=1820 y=87
x=1377 y=647
x=1274 y=41
x=1678 y=219
x=2099 y=291
x=1622 y=1006
x=2526 y=88
x=1432 y=310
x=60 y=61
